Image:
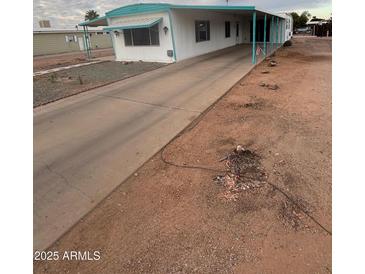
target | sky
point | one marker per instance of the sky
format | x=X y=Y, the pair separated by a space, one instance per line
x=68 y=13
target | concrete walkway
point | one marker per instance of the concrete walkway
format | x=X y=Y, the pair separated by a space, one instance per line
x=86 y=145
x=99 y=60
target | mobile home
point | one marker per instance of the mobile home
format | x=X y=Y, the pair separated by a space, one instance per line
x=168 y=33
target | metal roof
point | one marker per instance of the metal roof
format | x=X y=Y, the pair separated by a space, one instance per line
x=159 y=7
x=134 y=23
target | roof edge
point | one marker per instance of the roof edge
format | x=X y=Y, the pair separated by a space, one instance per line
x=140 y=8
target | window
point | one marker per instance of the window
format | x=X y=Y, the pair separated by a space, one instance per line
x=155 y=38
x=228 y=29
x=71 y=38
x=128 y=37
x=202 y=31
x=142 y=36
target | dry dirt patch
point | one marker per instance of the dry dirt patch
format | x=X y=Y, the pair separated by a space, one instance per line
x=171 y=218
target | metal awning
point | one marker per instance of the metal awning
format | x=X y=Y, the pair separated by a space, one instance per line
x=134 y=23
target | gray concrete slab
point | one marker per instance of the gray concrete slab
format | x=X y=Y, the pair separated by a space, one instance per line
x=86 y=145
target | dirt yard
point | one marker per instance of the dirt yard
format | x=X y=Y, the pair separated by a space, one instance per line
x=66 y=59
x=173 y=217
x=57 y=85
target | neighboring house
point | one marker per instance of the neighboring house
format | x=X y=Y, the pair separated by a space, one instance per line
x=53 y=41
x=320 y=27
x=170 y=33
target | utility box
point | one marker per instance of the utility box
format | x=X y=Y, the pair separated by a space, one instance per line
x=170 y=53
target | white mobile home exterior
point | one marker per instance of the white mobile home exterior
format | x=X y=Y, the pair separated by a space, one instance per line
x=169 y=33
x=150 y=53
x=289 y=23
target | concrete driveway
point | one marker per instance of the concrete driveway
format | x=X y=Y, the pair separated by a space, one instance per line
x=86 y=145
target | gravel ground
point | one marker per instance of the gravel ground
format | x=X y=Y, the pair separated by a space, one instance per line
x=65 y=59
x=54 y=86
x=172 y=218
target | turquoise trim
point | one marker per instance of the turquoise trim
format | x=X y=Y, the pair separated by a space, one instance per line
x=272 y=33
x=88 y=42
x=154 y=7
x=172 y=35
x=265 y=19
x=84 y=39
x=211 y=7
x=92 y=21
x=137 y=8
x=133 y=26
x=281 y=32
x=161 y=7
x=254 y=37
x=277 y=31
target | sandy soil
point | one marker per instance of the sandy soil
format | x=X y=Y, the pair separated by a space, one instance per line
x=66 y=59
x=169 y=219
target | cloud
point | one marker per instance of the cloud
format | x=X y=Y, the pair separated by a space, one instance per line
x=68 y=13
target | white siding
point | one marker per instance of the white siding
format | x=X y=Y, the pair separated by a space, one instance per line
x=183 y=22
x=288 y=32
x=184 y=30
x=144 y=53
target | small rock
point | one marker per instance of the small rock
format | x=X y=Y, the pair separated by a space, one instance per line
x=135 y=174
x=287 y=43
x=265 y=71
x=272 y=63
x=262 y=84
x=240 y=148
x=273 y=87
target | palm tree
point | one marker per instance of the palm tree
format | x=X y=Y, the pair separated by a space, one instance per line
x=91 y=14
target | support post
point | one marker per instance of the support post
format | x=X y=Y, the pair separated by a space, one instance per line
x=272 y=34
x=277 y=32
x=254 y=37
x=265 y=19
x=85 y=42
x=281 y=31
x=88 y=43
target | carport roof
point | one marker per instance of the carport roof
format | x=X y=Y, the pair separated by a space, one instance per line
x=157 y=7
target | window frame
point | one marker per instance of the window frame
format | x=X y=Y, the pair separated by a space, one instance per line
x=155 y=28
x=197 y=31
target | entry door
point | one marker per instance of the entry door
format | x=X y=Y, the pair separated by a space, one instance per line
x=237 y=33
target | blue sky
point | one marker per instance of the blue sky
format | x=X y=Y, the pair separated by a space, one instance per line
x=68 y=13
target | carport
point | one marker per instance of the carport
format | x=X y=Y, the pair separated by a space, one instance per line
x=264 y=30
x=99 y=21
